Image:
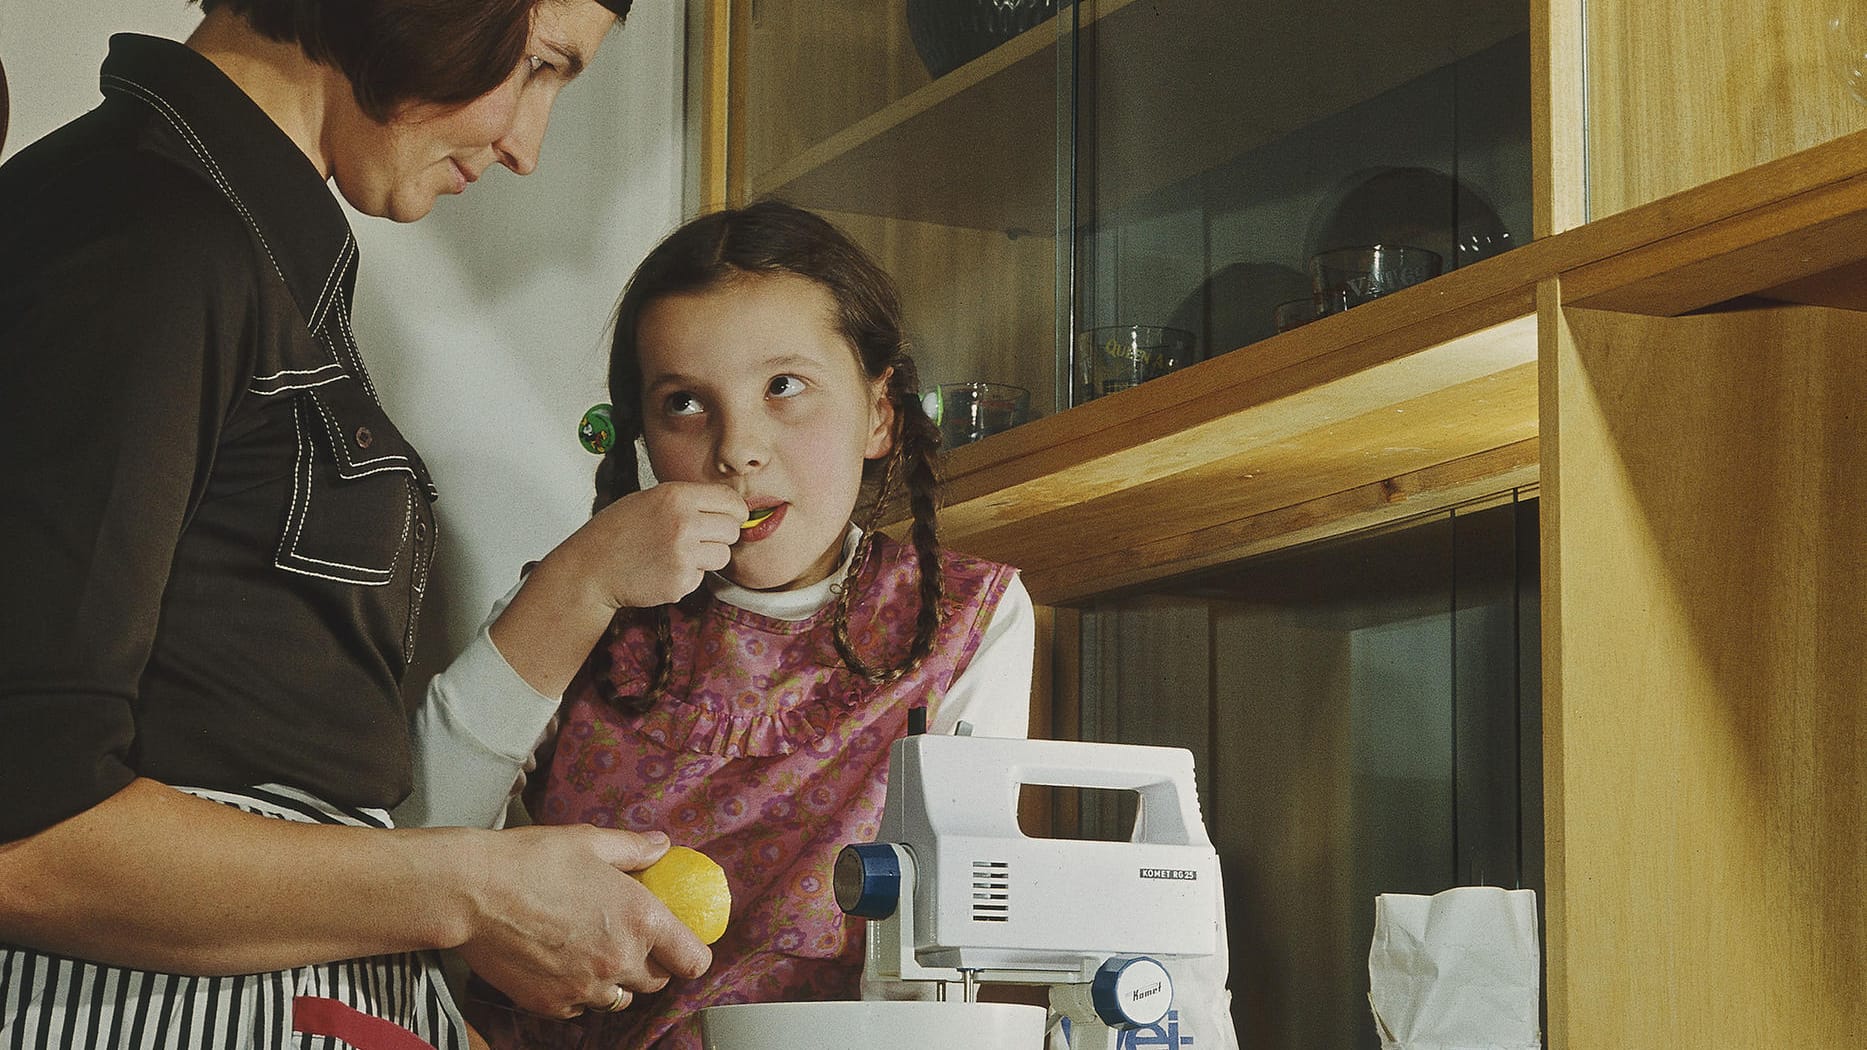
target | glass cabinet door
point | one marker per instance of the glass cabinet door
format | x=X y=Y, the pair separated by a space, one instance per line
x=1075 y=198
x=1238 y=162
x=1365 y=717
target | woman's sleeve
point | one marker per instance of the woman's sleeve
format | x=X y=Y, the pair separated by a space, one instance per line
x=474 y=732
x=124 y=344
x=993 y=693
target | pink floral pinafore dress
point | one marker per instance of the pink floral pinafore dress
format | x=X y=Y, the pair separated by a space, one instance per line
x=768 y=756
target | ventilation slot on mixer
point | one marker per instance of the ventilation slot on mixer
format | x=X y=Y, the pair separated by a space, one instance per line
x=991 y=891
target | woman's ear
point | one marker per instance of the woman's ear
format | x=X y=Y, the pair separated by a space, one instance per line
x=881 y=418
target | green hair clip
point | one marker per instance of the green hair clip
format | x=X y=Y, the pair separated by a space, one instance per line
x=596 y=431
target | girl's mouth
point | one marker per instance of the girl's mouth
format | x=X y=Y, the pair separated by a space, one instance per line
x=761 y=523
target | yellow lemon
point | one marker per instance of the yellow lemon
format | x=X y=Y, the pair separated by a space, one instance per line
x=694 y=889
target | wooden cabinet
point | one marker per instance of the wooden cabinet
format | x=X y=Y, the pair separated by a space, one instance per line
x=1675 y=362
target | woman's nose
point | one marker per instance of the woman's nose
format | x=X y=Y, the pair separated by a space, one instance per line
x=519 y=147
x=518 y=152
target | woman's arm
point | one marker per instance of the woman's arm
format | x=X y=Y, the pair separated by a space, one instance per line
x=157 y=879
x=142 y=311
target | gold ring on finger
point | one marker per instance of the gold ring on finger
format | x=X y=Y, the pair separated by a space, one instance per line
x=617 y=1001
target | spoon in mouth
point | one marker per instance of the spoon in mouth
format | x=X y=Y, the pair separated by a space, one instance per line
x=756 y=517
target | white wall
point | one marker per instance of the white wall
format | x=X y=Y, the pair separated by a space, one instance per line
x=483 y=324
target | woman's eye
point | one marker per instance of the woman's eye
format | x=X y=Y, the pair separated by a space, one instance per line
x=682 y=404
x=533 y=63
x=785 y=386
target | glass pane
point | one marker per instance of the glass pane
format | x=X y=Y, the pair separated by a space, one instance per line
x=928 y=131
x=1224 y=146
x=1364 y=718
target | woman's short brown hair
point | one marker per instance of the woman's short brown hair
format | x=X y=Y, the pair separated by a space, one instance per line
x=395 y=52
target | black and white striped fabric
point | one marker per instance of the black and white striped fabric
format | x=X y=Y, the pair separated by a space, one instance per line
x=390 y=1002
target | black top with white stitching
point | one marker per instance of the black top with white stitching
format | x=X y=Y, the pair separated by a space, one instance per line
x=213 y=543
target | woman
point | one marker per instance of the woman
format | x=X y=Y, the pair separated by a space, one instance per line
x=216 y=545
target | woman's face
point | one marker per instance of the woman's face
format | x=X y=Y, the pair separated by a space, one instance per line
x=397 y=170
x=751 y=385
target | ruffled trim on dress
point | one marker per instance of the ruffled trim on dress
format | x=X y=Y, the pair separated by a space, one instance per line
x=757 y=724
x=678 y=723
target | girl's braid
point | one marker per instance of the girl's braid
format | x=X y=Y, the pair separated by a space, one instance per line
x=923 y=484
x=916 y=441
x=602 y=663
x=616 y=477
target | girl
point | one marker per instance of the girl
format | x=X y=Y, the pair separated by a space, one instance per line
x=211 y=598
x=759 y=353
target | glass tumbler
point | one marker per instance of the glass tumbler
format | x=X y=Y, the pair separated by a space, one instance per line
x=1345 y=277
x=1295 y=313
x=966 y=412
x=1116 y=357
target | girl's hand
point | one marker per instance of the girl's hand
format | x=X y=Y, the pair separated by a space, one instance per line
x=652 y=547
x=646 y=549
x=560 y=926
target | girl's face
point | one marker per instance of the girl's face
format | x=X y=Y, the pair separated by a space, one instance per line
x=750 y=385
x=399 y=169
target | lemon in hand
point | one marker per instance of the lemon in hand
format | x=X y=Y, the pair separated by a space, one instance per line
x=694 y=889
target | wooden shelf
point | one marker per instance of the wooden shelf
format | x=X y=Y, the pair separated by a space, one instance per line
x=977 y=147
x=1407 y=404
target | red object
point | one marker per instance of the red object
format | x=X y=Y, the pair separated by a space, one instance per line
x=315 y=1016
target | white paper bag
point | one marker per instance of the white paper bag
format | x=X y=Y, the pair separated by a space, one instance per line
x=1458 y=970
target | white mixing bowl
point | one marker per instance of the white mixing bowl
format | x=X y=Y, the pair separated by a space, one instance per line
x=900 y=1025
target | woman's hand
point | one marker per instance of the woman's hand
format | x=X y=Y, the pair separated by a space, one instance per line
x=646 y=549
x=559 y=927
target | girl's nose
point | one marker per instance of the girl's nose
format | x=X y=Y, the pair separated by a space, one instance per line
x=742 y=449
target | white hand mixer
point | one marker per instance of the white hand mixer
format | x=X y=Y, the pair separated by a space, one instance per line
x=957 y=896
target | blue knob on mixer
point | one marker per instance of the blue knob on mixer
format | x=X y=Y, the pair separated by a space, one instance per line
x=1130 y=991
x=867 y=879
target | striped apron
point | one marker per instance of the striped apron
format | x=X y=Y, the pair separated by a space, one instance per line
x=389 y=1002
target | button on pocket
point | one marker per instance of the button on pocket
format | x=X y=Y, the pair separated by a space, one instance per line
x=351 y=519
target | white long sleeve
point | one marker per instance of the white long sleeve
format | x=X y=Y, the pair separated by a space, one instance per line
x=994 y=692
x=477 y=728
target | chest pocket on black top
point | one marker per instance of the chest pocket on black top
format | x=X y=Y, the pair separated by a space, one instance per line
x=358 y=507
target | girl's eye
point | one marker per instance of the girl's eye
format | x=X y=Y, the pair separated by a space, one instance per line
x=785 y=386
x=682 y=404
x=533 y=63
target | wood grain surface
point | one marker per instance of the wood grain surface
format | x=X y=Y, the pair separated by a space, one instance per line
x=1681 y=92
x=1704 y=732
